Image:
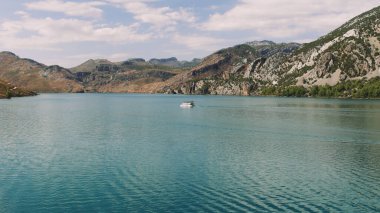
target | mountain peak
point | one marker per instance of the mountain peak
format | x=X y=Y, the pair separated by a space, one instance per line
x=7 y=53
x=153 y=60
x=260 y=43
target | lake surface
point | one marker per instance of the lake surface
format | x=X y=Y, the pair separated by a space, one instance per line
x=143 y=153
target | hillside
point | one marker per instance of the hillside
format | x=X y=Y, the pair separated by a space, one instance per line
x=7 y=90
x=128 y=76
x=238 y=70
x=35 y=76
x=347 y=55
x=350 y=52
x=98 y=75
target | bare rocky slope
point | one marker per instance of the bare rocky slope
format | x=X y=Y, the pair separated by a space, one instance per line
x=351 y=52
x=238 y=70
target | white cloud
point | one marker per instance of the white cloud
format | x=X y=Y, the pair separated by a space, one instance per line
x=214 y=7
x=199 y=42
x=287 y=18
x=82 y=9
x=159 y=17
x=22 y=14
x=46 y=33
x=163 y=25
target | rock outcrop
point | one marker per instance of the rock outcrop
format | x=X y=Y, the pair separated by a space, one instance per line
x=349 y=52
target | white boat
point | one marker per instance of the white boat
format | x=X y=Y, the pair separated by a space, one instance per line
x=187 y=104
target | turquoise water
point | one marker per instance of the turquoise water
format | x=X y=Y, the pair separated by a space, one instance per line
x=142 y=153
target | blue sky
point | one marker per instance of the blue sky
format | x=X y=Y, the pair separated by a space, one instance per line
x=68 y=32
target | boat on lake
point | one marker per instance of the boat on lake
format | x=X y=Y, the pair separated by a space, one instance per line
x=187 y=104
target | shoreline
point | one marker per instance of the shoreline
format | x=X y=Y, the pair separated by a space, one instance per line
x=142 y=93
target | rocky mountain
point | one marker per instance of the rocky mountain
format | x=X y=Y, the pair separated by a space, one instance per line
x=132 y=75
x=238 y=70
x=35 y=76
x=7 y=90
x=92 y=76
x=173 y=62
x=91 y=65
x=349 y=53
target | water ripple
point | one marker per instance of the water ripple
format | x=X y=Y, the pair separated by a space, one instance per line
x=116 y=153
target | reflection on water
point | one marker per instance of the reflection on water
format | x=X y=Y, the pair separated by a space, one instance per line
x=94 y=152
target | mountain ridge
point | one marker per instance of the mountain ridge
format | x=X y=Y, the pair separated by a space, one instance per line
x=349 y=53
x=36 y=76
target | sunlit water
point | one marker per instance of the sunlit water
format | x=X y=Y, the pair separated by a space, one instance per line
x=123 y=153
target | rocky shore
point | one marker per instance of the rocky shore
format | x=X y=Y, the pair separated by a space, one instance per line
x=7 y=91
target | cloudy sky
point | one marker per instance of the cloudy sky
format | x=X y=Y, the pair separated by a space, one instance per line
x=68 y=32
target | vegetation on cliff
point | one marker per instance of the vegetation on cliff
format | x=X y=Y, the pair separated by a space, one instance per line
x=362 y=88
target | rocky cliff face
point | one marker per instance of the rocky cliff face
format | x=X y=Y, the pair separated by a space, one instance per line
x=238 y=70
x=350 y=52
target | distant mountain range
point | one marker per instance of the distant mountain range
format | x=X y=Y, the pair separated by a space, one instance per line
x=349 y=55
x=98 y=75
